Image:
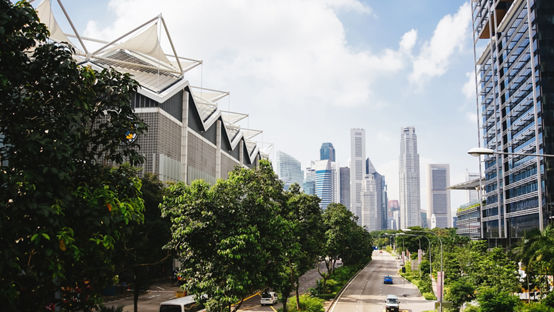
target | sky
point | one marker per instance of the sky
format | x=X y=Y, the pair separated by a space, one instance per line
x=307 y=71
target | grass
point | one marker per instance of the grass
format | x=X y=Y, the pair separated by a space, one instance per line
x=422 y=281
x=334 y=283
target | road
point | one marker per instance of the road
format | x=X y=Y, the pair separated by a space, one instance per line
x=367 y=292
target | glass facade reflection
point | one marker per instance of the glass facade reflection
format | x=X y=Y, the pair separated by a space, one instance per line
x=515 y=99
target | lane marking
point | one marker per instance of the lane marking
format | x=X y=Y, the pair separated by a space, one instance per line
x=344 y=289
x=272 y=308
x=254 y=295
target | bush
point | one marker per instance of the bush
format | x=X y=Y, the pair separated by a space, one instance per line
x=493 y=300
x=429 y=296
x=535 y=307
x=307 y=304
x=548 y=300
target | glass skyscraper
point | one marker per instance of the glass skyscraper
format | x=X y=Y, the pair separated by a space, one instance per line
x=409 y=179
x=326 y=182
x=516 y=91
x=327 y=151
x=357 y=170
x=345 y=186
x=438 y=178
x=289 y=169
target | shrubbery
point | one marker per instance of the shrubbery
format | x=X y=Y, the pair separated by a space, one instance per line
x=307 y=304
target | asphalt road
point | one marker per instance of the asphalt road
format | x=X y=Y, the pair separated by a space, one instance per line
x=367 y=293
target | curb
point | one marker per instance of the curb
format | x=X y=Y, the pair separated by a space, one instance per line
x=345 y=286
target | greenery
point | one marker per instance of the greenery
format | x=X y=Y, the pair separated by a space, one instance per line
x=62 y=211
x=421 y=279
x=307 y=304
x=330 y=287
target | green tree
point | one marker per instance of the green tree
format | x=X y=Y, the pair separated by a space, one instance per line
x=338 y=222
x=143 y=257
x=492 y=300
x=62 y=211
x=460 y=291
x=227 y=236
x=306 y=240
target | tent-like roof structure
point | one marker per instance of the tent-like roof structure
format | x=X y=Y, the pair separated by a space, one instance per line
x=139 y=52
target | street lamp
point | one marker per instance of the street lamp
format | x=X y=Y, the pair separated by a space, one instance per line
x=442 y=271
x=478 y=151
x=428 y=241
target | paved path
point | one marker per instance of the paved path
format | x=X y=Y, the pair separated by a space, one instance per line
x=367 y=293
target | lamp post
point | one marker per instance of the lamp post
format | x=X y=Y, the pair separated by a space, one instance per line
x=442 y=272
x=428 y=241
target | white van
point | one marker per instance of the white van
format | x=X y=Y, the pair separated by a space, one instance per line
x=184 y=304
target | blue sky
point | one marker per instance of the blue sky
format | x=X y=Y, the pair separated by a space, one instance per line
x=306 y=71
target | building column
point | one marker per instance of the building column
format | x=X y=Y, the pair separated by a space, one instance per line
x=218 y=151
x=241 y=152
x=184 y=137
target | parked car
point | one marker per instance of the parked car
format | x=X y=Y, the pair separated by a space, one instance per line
x=392 y=304
x=387 y=279
x=268 y=297
x=184 y=304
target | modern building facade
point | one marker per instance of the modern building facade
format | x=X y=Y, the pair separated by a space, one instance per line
x=189 y=137
x=516 y=88
x=409 y=179
x=326 y=182
x=357 y=170
x=309 y=181
x=438 y=181
x=374 y=199
x=469 y=214
x=393 y=207
x=344 y=173
x=289 y=169
x=327 y=151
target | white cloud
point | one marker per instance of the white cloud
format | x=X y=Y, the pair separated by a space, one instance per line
x=408 y=40
x=268 y=52
x=448 y=38
x=468 y=89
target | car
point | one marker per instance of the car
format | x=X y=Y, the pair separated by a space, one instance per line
x=392 y=304
x=268 y=297
x=184 y=304
x=387 y=279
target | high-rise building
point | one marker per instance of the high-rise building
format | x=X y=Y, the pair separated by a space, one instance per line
x=409 y=179
x=393 y=214
x=327 y=151
x=516 y=88
x=345 y=186
x=357 y=170
x=374 y=199
x=438 y=181
x=309 y=181
x=472 y=195
x=289 y=169
x=326 y=182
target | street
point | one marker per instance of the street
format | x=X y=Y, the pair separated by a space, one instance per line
x=367 y=292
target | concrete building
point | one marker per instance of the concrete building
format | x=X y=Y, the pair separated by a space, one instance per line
x=189 y=137
x=345 y=186
x=409 y=179
x=469 y=214
x=515 y=88
x=374 y=199
x=289 y=169
x=357 y=170
x=438 y=181
x=393 y=211
x=327 y=151
x=309 y=181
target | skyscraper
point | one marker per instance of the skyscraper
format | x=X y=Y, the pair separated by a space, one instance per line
x=289 y=169
x=409 y=179
x=327 y=151
x=309 y=181
x=326 y=182
x=345 y=186
x=374 y=199
x=394 y=214
x=357 y=170
x=438 y=181
x=516 y=89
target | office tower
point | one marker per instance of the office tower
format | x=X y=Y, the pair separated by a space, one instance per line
x=357 y=170
x=327 y=151
x=309 y=181
x=289 y=169
x=438 y=181
x=423 y=218
x=472 y=195
x=374 y=199
x=326 y=182
x=345 y=186
x=393 y=208
x=409 y=179
x=516 y=88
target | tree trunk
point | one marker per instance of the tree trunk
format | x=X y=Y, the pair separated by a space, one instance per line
x=135 y=291
x=297 y=295
x=284 y=298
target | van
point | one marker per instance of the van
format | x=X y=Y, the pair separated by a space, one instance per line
x=183 y=304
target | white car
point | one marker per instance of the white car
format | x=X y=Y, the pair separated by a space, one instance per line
x=268 y=297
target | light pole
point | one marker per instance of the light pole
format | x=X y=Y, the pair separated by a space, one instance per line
x=442 y=272
x=428 y=241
